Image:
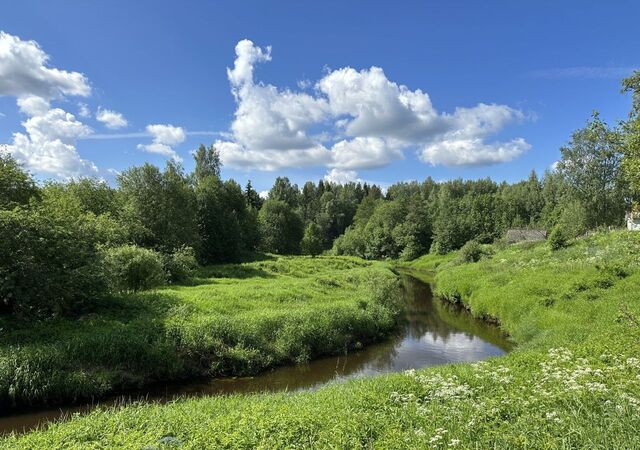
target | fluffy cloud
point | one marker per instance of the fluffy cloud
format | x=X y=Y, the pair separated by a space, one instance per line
x=235 y=155
x=364 y=153
x=341 y=176
x=33 y=106
x=165 y=137
x=111 y=119
x=354 y=120
x=471 y=152
x=24 y=72
x=49 y=145
x=83 y=110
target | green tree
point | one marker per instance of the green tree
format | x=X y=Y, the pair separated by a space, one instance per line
x=631 y=159
x=590 y=165
x=161 y=205
x=47 y=266
x=252 y=197
x=281 y=229
x=16 y=185
x=312 y=241
x=207 y=163
x=284 y=191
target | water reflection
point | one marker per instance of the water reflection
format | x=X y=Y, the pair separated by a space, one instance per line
x=433 y=332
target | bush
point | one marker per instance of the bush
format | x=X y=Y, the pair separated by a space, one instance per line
x=46 y=266
x=312 y=240
x=471 y=252
x=132 y=268
x=181 y=264
x=280 y=228
x=558 y=238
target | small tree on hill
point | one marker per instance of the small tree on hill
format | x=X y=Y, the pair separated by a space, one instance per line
x=312 y=240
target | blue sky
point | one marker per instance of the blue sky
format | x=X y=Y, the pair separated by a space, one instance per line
x=464 y=89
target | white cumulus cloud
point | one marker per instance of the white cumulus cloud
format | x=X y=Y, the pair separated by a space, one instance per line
x=341 y=176
x=354 y=120
x=165 y=138
x=24 y=72
x=111 y=119
x=49 y=145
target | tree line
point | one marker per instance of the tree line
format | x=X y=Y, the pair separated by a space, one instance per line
x=66 y=243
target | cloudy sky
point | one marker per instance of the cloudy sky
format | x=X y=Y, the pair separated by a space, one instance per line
x=375 y=91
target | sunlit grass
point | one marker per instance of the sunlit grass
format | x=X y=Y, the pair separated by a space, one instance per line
x=573 y=382
x=234 y=319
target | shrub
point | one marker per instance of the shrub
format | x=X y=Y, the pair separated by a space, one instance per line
x=181 y=264
x=558 y=238
x=132 y=268
x=46 y=266
x=471 y=252
x=312 y=240
x=280 y=227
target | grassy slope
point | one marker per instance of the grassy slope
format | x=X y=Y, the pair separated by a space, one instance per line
x=573 y=383
x=235 y=320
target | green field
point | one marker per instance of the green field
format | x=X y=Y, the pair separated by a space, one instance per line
x=573 y=382
x=232 y=320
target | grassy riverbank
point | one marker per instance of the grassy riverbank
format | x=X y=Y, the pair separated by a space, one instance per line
x=234 y=319
x=574 y=382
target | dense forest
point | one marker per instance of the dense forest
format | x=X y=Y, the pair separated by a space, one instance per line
x=82 y=239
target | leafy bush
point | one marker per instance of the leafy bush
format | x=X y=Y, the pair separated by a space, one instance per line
x=312 y=240
x=558 y=238
x=280 y=227
x=181 y=264
x=471 y=251
x=46 y=266
x=132 y=268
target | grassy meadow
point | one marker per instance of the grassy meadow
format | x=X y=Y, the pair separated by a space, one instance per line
x=573 y=382
x=235 y=319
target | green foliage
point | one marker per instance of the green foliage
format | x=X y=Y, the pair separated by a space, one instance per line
x=631 y=128
x=130 y=268
x=226 y=226
x=16 y=185
x=558 y=238
x=160 y=206
x=284 y=191
x=570 y=384
x=180 y=265
x=590 y=165
x=232 y=320
x=208 y=163
x=312 y=240
x=471 y=252
x=573 y=219
x=281 y=229
x=46 y=265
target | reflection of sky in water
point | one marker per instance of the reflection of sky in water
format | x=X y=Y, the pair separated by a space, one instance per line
x=430 y=350
x=434 y=333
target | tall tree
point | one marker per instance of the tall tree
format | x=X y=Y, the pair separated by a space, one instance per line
x=207 y=162
x=162 y=203
x=591 y=166
x=284 y=191
x=631 y=159
x=16 y=185
x=281 y=229
x=252 y=197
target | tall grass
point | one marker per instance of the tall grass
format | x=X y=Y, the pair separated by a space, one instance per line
x=573 y=382
x=232 y=320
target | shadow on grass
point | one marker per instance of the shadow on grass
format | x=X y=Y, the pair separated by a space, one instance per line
x=232 y=271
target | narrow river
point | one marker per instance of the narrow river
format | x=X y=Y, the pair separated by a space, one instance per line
x=434 y=332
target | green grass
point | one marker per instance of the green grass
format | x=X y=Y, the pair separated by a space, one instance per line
x=573 y=382
x=234 y=319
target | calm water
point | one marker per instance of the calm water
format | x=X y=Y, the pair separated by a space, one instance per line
x=434 y=332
